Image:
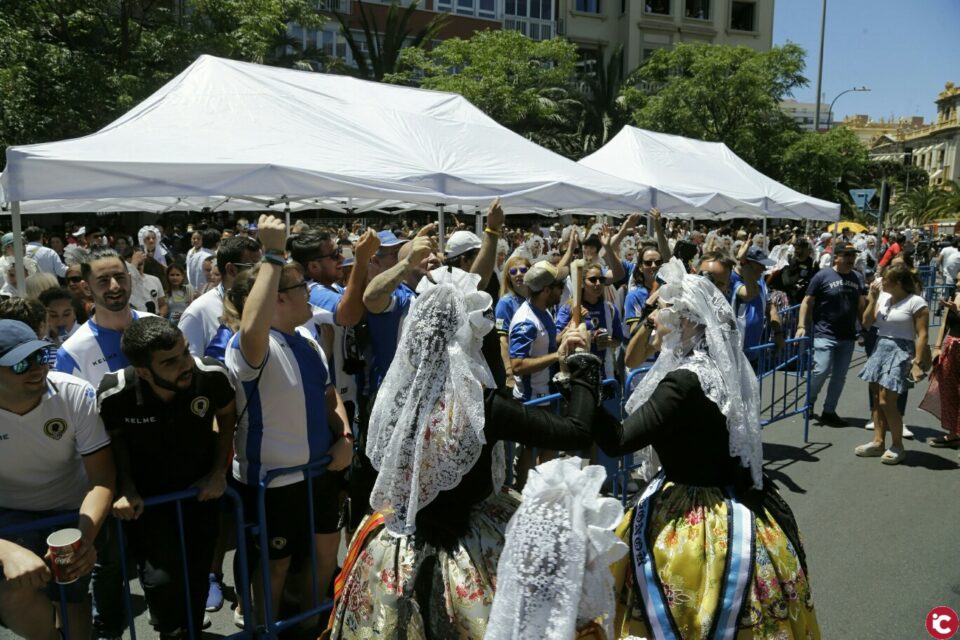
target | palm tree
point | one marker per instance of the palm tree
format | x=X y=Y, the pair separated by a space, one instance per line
x=949 y=206
x=383 y=45
x=919 y=205
x=603 y=109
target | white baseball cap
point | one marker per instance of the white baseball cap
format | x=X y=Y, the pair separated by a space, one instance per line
x=460 y=242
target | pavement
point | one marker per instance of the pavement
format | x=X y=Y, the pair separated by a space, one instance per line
x=878 y=538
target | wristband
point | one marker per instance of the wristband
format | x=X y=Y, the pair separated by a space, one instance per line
x=274 y=259
x=493 y=232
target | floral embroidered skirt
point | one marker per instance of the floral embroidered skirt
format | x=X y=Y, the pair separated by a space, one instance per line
x=687 y=539
x=399 y=586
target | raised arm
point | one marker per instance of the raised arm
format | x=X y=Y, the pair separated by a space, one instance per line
x=376 y=297
x=486 y=258
x=662 y=245
x=262 y=301
x=350 y=310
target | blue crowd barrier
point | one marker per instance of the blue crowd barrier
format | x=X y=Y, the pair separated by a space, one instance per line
x=927 y=274
x=48 y=524
x=933 y=294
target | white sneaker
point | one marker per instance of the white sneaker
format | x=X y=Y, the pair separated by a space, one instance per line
x=907 y=433
x=869 y=426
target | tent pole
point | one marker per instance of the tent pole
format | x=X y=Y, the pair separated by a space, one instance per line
x=765 y=243
x=20 y=268
x=286 y=214
x=441 y=230
x=477 y=222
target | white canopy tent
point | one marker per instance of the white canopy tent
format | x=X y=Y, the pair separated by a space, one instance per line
x=707 y=174
x=231 y=129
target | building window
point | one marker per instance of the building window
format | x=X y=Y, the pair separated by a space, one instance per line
x=525 y=9
x=661 y=7
x=743 y=16
x=697 y=9
x=588 y=6
x=480 y=8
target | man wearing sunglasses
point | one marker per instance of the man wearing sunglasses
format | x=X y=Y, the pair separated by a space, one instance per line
x=55 y=458
x=200 y=323
x=751 y=300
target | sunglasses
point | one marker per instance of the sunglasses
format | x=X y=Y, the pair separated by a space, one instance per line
x=75 y=279
x=336 y=254
x=515 y=270
x=594 y=279
x=39 y=358
x=652 y=263
x=242 y=265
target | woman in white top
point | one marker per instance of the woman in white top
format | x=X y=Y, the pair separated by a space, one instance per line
x=900 y=358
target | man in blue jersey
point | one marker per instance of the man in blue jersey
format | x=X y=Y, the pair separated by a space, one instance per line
x=751 y=301
x=388 y=296
x=91 y=353
x=291 y=415
x=533 y=334
x=200 y=323
x=322 y=259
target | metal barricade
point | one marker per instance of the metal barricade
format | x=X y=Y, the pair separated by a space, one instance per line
x=934 y=294
x=784 y=379
x=177 y=498
x=927 y=274
x=273 y=627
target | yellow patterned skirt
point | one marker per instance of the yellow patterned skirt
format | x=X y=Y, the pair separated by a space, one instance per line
x=687 y=533
x=380 y=589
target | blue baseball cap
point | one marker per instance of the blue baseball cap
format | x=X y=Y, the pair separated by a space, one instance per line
x=388 y=239
x=17 y=341
x=758 y=255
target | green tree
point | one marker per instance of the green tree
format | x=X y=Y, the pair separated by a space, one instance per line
x=949 y=205
x=603 y=111
x=918 y=206
x=824 y=164
x=69 y=67
x=384 y=43
x=721 y=94
x=521 y=83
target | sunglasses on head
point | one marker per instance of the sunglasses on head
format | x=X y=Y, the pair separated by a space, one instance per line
x=39 y=357
x=521 y=270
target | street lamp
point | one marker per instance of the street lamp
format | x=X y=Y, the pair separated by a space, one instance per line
x=830 y=110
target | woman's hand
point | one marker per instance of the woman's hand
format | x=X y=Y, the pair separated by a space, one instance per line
x=875 y=288
x=916 y=372
x=575 y=338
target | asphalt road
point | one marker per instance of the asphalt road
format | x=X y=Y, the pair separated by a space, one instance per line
x=878 y=538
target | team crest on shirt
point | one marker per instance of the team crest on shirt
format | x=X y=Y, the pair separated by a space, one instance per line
x=200 y=405
x=55 y=428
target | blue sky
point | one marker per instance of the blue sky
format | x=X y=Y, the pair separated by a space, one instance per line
x=903 y=50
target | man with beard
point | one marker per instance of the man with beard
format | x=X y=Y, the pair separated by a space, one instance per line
x=94 y=350
x=91 y=353
x=162 y=408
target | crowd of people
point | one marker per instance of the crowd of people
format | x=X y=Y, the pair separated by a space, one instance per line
x=396 y=365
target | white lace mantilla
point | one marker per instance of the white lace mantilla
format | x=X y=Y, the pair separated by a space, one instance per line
x=426 y=426
x=554 y=572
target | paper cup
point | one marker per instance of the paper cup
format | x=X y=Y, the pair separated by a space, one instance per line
x=63 y=544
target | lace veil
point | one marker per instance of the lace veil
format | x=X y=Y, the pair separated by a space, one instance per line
x=426 y=426
x=159 y=252
x=554 y=572
x=704 y=339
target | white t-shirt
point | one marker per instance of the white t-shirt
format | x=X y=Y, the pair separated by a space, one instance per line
x=146 y=291
x=284 y=421
x=201 y=320
x=40 y=452
x=950 y=263
x=896 y=320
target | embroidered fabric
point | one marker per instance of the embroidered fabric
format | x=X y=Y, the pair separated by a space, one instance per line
x=426 y=426
x=554 y=572
x=704 y=338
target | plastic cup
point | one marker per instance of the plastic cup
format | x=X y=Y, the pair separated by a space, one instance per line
x=63 y=544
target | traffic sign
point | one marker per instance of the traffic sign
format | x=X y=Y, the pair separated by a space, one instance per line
x=862 y=197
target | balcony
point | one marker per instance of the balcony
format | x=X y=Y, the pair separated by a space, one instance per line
x=533 y=29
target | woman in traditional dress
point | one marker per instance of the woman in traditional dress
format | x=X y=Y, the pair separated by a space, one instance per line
x=424 y=564
x=715 y=549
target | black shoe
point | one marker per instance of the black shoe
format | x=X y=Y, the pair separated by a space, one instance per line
x=833 y=420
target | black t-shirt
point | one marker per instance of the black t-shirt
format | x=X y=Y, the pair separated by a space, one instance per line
x=836 y=304
x=171 y=444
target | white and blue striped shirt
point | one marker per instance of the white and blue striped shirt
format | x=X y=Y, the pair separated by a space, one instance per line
x=284 y=422
x=93 y=351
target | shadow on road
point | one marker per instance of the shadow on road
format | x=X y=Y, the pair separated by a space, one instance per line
x=780 y=456
x=929 y=461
